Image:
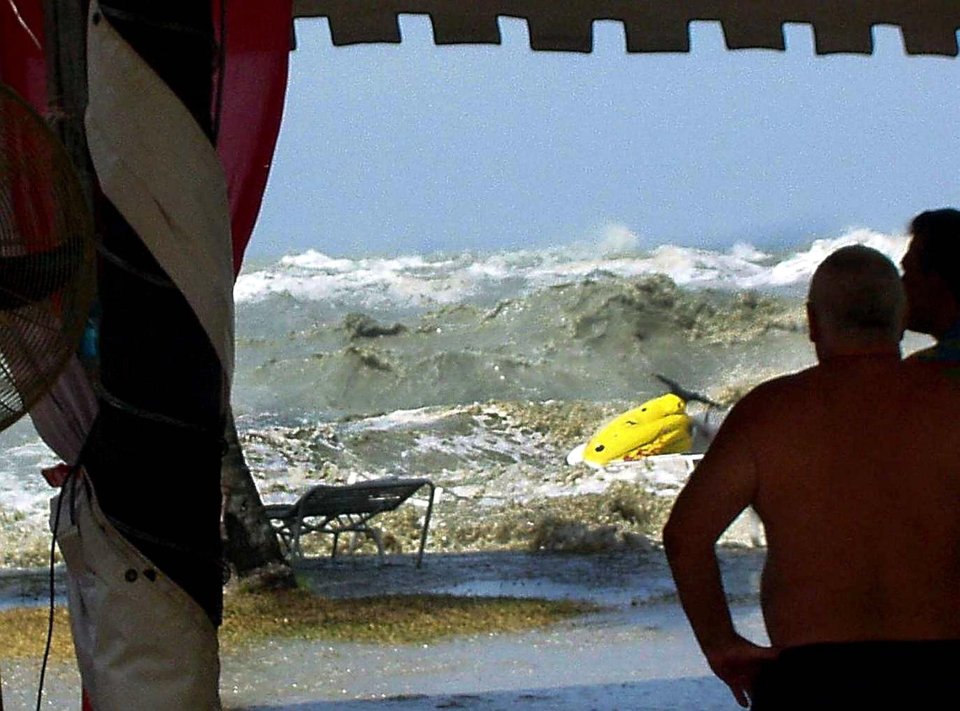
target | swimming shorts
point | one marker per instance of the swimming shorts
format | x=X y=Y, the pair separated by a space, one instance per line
x=875 y=675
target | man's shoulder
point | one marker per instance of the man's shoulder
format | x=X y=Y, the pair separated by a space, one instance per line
x=944 y=357
x=767 y=401
x=789 y=385
x=932 y=373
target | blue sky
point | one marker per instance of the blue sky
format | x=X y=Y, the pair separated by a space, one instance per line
x=413 y=148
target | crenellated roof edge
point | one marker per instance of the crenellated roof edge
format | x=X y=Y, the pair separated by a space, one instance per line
x=839 y=26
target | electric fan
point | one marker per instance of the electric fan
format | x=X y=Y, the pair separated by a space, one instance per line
x=47 y=252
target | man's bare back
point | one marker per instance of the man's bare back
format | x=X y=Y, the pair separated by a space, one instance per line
x=854 y=468
x=863 y=536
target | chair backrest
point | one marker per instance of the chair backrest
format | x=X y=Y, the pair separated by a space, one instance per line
x=365 y=497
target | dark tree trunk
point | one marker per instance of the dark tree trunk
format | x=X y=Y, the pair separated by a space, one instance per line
x=250 y=543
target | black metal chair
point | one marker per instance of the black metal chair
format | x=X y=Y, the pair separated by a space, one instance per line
x=337 y=509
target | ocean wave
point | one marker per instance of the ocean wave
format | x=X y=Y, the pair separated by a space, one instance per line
x=422 y=282
x=590 y=339
x=312 y=276
x=799 y=267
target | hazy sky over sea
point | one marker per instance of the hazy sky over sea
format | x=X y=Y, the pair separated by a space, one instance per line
x=397 y=149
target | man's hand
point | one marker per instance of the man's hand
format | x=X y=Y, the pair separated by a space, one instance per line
x=738 y=665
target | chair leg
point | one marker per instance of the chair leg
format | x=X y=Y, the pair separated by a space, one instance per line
x=284 y=536
x=378 y=539
x=295 y=550
x=336 y=537
x=426 y=524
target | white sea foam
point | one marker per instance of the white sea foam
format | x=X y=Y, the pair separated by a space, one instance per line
x=400 y=419
x=424 y=282
x=618 y=239
x=22 y=488
x=747 y=252
x=313 y=276
x=799 y=267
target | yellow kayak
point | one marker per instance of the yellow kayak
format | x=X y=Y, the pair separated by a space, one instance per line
x=658 y=426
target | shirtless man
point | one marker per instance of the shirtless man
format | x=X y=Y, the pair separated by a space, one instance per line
x=931 y=277
x=854 y=468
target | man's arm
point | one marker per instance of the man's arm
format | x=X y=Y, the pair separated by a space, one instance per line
x=721 y=487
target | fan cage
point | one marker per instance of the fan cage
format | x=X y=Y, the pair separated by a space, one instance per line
x=47 y=277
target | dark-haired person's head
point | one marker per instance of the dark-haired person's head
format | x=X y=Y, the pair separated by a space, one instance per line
x=856 y=303
x=931 y=272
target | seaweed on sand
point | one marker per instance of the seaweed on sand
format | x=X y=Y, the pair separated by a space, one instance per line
x=253 y=617
x=393 y=619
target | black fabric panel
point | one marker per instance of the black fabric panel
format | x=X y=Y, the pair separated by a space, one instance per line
x=154 y=452
x=175 y=37
x=154 y=354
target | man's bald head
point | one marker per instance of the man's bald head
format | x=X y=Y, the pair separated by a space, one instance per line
x=856 y=300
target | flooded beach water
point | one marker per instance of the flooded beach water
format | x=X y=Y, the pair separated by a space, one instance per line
x=635 y=652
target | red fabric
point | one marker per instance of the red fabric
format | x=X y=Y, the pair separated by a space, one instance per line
x=57 y=474
x=22 y=67
x=258 y=36
x=22 y=64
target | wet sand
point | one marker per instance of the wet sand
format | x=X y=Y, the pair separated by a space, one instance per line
x=619 y=660
x=636 y=653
